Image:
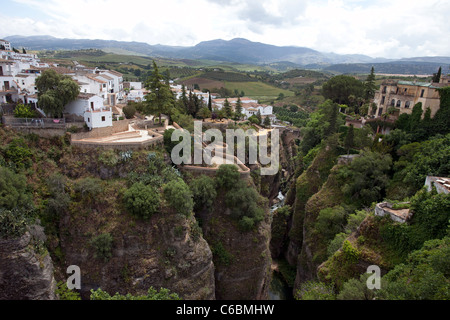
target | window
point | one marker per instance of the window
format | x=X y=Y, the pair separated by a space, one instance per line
x=89 y=119
x=103 y=118
x=407 y=104
x=399 y=103
x=422 y=92
x=380 y=112
x=384 y=89
x=92 y=105
x=382 y=99
x=393 y=103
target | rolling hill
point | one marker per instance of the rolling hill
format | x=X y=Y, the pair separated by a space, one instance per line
x=242 y=51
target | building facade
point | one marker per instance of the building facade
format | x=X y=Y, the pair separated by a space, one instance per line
x=402 y=96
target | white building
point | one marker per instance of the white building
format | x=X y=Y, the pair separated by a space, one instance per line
x=91 y=108
x=178 y=92
x=5 y=44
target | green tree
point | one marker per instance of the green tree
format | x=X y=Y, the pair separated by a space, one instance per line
x=266 y=122
x=238 y=109
x=437 y=76
x=356 y=289
x=13 y=189
x=364 y=180
x=244 y=206
x=228 y=110
x=370 y=86
x=55 y=91
x=142 y=200
x=160 y=99
x=204 y=192
x=204 y=113
x=23 y=111
x=258 y=115
x=184 y=99
x=209 y=102
x=227 y=176
x=424 y=276
x=103 y=244
x=339 y=88
x=179 y=196
x=349 y=139
x=330 y=222
x=129 y=111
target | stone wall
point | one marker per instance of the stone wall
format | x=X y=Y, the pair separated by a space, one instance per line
x=118 y=126
x=120 y=146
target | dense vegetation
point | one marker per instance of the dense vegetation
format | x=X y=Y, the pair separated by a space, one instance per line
x=341 y=230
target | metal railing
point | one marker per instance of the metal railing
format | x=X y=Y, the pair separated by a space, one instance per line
x=36 y=122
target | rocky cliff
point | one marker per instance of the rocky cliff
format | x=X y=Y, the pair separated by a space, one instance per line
x=166 y=251
x=26 y=269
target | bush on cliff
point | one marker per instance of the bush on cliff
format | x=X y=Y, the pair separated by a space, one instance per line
x=179 y=196
x=142 y=200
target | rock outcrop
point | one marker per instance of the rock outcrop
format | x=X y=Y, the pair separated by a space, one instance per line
x=26 y=269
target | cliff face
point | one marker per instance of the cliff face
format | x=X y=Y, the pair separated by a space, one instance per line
x=367 y=249
x=26 y=269
x=313 y=249
x=307 y=184
x=166 y=251
x=242 y=259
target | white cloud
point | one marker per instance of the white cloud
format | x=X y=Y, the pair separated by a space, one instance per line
x=401 y=28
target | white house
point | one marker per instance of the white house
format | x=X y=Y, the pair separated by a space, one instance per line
x=5 y=44
x=136 y=95
x=91 y=108
x=219 y=103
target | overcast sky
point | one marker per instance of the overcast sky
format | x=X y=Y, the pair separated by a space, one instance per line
x=378 y=28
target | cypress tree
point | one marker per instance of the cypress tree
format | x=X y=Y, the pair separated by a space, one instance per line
x=369 y=85
x=209 y=102
x=349 y=139
x=238 y=110
x=228 y=110
x=437 y=76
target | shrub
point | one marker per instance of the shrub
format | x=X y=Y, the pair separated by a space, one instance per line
x=152 y=294
x=142 y=200
x=243 y=203
x=13 y=189
x=179 y=196
x=109 y=158
x=65 y=293
x=19 y=153
x=13 y=223
x=89 y=187
x=204 y=192
x=103 y=246
x=313 y=290
x=227 y=176
x=23 y=111
x=129 y=111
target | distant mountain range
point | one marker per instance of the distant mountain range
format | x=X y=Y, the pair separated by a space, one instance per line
x=241 y=51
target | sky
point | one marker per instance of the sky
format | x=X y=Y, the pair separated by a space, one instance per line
x=377 y=28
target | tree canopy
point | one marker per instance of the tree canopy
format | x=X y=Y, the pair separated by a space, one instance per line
x=55 y=91
x=160 y=99
x=340 y=88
